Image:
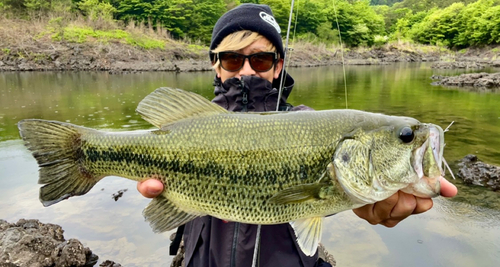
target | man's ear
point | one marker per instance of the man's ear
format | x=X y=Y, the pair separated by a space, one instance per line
x=278 y=68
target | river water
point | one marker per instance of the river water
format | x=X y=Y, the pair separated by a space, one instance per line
x=463 y=231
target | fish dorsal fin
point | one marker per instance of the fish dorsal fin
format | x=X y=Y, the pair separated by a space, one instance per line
x=308 y=233
x=168 y=105
x=163 y=215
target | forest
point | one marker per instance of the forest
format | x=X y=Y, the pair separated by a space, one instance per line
x=449 y=23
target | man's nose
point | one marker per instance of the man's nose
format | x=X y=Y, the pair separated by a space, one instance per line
x=247 y=69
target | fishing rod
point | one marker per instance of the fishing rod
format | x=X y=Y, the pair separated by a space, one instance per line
x=284 y=55
x=280 y=89
x=257 y=237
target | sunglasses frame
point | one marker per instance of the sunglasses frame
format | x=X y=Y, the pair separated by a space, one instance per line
x=275 y=59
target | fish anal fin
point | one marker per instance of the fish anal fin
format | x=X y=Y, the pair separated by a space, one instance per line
x=308 y=233
x=163 y=215
x=167 y=105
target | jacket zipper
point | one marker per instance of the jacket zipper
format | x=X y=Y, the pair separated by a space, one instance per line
x=244 y=97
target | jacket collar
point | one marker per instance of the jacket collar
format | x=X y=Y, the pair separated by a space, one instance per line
x=252 y=93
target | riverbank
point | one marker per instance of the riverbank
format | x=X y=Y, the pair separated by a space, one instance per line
x=76 y=46
x=118 y=57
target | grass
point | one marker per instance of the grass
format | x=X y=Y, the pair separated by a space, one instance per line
x=18 y=32
x=81 y=33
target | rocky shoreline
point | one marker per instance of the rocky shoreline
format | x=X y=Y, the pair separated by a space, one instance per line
x=32 y=243
x=478 y=81
x=36 y=244
x=29 y=242
x=118 y=57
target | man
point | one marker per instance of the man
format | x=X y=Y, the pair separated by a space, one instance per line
x=247 y=54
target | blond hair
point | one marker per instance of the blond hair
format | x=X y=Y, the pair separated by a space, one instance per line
x=239 y=40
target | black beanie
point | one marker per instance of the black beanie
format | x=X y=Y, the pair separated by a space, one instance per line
x=252 y=17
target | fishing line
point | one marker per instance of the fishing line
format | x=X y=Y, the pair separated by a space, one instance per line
x=289 y=57
x=284 y=57
x=341 y=51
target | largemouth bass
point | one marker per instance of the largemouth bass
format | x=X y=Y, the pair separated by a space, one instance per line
x=257 y=168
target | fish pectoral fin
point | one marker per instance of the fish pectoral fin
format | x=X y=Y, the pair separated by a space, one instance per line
x=308 y=233
x=168 y=105
x=163 y=215
x=298 y=194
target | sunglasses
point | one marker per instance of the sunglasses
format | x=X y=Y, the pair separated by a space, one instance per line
x=260 y=62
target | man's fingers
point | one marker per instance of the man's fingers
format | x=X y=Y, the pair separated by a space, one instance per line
x=150 y=188
x=447 y=189
x=376 y=213
x=405 y=206
x=396 y=208
x=383 y=209
x=423 y=205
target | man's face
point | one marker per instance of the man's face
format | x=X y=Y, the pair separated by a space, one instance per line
x=256 y=47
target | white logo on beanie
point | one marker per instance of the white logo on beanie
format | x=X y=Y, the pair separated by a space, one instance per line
x=270 y=19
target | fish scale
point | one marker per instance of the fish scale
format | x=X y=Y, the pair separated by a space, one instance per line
x=259 y=168
x=279 y=160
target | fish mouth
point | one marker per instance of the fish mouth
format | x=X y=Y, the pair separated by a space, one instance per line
x=428 y=164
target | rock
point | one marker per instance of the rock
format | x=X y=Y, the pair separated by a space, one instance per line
x=109 y=263
x=178 y=260
x=495 y=63
x=53 y=56
x=32 y=243
x=327 y=257
x=118 y=194
x=458 y=65
x=473 y=171
x=478 y=80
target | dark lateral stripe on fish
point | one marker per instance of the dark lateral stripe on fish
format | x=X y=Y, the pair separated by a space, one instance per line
x=209 y=167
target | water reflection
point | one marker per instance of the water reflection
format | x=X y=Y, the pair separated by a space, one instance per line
x=463 y=231
x=113 y=230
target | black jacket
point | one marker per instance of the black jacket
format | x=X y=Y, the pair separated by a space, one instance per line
x=214 y=243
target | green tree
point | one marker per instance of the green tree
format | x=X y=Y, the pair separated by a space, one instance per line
x=474 y=25
x=358 y=22
x=95 y=9
x=439 y=27
x=205 y=15
x=311 y=15
x=403 y=25
x=384 y=2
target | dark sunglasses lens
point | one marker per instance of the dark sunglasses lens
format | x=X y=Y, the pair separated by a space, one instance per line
x=262 y=62
x=231 y=61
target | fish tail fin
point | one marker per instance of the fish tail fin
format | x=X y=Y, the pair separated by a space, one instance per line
x=56 y=147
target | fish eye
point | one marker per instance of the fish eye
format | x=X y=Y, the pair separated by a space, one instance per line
x=406 y=135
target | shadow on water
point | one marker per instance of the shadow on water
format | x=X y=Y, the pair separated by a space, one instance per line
x=463 y=231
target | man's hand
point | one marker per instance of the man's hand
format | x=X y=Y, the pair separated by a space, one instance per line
x=396 y=208
x=150 y=188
